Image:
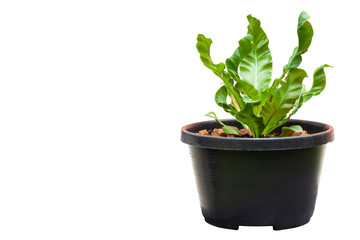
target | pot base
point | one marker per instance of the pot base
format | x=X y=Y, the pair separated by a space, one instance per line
x=291 y=223
x=234 y=225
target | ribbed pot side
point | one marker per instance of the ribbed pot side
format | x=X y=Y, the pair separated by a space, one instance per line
x=258 y=187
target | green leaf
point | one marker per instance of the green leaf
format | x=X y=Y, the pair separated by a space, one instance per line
x=247 y=99
x=256 y=67
x=213 y=115
x=247 y=89
x=233 y=62
x=248 y=118
x=227 y=129
x=220 y=99
x=247 y=74
x=289 y=131
x=282 y=100
x=319 y=83
x=299 y=102
x=203 y=47
x=305 y=33
x=231 y=130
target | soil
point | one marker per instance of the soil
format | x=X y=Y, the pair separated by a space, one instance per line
x=244 y=133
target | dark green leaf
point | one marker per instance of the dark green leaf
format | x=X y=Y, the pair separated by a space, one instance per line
x=298 y=103
x=248 y=118
x=282 y=100
x=220 y=99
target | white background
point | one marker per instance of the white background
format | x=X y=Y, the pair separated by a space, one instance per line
x=93 y=95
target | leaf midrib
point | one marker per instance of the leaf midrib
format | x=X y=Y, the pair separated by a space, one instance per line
x=280 y=105
x=256 y=66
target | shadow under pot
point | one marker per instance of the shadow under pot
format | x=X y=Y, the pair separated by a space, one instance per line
x=257 y=181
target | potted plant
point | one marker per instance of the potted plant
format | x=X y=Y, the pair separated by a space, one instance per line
x=260 y=168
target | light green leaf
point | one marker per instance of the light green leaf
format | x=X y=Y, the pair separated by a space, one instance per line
x=289 y=131
x=319 y=83
x=256 y=67
x=227 y=129
x=247 y=99
x=248 y=118
x=233 y=62
x=247 y=89
x=231 y=130
x=282 y=100
x=213 y=115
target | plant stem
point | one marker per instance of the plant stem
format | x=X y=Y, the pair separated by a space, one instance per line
x=234 y=102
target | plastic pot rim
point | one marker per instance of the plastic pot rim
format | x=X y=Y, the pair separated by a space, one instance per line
x=320 y=133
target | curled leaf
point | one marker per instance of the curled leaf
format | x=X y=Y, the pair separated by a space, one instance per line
x=319 y=83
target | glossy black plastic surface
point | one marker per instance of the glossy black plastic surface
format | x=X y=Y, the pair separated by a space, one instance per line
x=259 y=188
x=258 y=182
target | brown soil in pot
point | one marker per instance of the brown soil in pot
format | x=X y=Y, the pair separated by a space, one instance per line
x=244 y=133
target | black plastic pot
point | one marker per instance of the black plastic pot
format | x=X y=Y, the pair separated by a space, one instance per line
x=257 y=181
